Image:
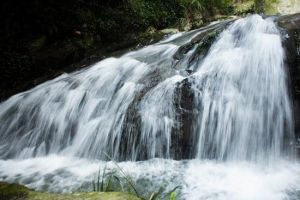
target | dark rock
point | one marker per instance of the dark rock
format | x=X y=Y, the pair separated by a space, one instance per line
x=182 y=140
x=290 y=26
x=202 y=42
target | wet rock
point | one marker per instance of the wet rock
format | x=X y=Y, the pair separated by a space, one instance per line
x=290 y=26
x=182 y=138
x=202 y=42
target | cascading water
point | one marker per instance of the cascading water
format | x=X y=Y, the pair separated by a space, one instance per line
x=241 y=93
x=158 y=118
x=78 y=114
x=56 y=135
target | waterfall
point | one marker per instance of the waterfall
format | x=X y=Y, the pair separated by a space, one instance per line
x=242 y=108
x=78 y=114
x=198 y=109
x=158 y=118
x=241 y=94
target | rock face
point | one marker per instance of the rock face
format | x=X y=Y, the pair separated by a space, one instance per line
x=290 y=25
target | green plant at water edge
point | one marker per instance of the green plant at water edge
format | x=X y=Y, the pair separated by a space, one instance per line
x=160 y=194
x=125 y=176
x=104 y=182
x=173 y=196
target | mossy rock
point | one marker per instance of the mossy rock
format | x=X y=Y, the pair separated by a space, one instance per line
x=244 y=7
x=13 y=191
x=19 y=192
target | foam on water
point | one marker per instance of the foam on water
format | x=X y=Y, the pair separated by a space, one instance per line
x=242 y=97
x=158 y=118
x=198 y=180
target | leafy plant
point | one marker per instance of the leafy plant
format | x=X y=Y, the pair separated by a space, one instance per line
x=160 y=194
x=125 y=176
x=173 y=196
x=104 y=181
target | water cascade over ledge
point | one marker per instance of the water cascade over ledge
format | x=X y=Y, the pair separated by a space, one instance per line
x=208 y=110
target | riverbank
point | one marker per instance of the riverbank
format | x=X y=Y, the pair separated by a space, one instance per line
x=19 y=192
x=197 y=179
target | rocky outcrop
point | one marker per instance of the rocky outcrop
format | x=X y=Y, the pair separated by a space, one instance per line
x=183 y=144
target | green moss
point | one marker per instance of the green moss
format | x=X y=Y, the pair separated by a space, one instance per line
x=244 y=7
x=13 y=191
x=19 y=192
x=268 y=7
x=271 y=7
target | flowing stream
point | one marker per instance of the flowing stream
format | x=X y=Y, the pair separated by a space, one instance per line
x=213 y=118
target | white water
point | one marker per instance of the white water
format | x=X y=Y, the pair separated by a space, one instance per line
x=54 y=136
x=199 y=180
x=241 y=91
x=74 y=113
x=158 y=118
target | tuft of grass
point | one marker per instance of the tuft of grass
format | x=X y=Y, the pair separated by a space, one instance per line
x=156 y=195
x=125 y=176
x=107 y=181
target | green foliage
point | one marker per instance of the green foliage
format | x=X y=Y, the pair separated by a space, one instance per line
x=259 y=6
x=245 y=7
x=129 y=183
x=156 y=13
x=125 y=176
x=271 y=7
x=160 y=14
x=201 y=5
x=107 y=182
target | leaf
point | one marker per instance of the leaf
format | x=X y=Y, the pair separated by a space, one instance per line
x=173 y=196
x=127 y=178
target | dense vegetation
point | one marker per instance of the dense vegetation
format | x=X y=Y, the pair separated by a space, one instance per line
x=43 y=38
